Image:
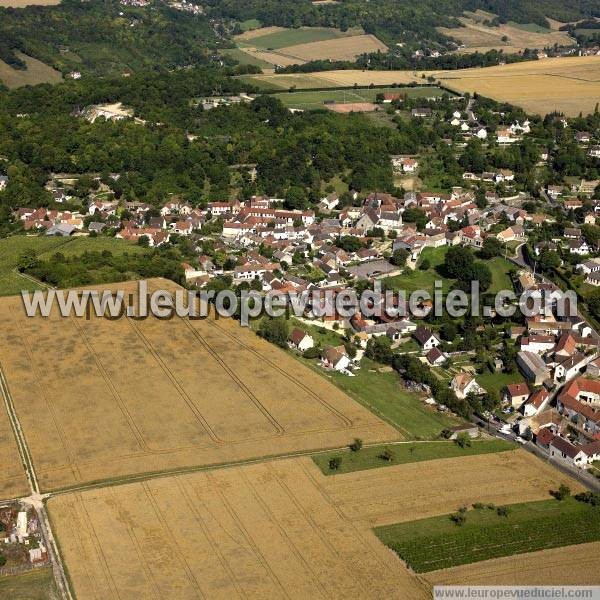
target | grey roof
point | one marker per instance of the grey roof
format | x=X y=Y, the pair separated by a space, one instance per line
x=61 y=229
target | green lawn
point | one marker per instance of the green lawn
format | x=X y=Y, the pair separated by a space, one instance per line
x=11 y=248
x=500 y=278
x=33 y=585
x=383 y=394
x=496 y=381
x=531 y=27
x=438 y=543
x=316 y=99
x=291 y=37
x=371 y=457
x=246 y=59
x=249 y=24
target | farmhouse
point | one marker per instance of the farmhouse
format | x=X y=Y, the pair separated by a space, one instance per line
x=515 y=394
x=300 y=340
x=426 y=338
x=463 y=384
x=533 y=367
x=335 y=358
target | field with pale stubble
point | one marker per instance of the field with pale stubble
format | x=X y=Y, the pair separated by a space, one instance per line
x=104 y=400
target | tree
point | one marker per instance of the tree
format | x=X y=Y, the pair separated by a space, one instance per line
x=356 y=445
x=458 y=261
x=335 y=463
x=491 y=248
x=463 y=439
x=399 y=257
x=563 y=492
x=549 y=260
x=275 y=331
x=448 y=331
x=425 y=264
x=296 y=198
x=388 y=455
x=481 y=272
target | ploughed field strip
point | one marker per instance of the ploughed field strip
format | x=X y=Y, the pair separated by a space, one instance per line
x=571 y=565
x=100 y=399
x=258 y=531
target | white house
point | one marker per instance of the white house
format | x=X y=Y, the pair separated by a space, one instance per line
x=427 y=339
x=565 y=452
x=335 y=358
x=463 y=384
x=300 y=340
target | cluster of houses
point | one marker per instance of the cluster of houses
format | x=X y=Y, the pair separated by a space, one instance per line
x=21 y=536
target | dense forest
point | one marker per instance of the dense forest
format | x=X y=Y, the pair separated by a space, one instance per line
x=105 y=37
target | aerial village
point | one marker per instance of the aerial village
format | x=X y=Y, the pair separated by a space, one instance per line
x=350 y=241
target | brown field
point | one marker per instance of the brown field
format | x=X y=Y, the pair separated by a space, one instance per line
x=100 y=399
x=261 y=531
x=353 y=107
x=37 y=72
x=477 y=37
x=572 y=565
x=345 y=48
x=419 y=490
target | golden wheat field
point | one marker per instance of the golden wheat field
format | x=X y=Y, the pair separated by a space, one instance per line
x=275 y=529
x=100 y=399
x=570 y=565
x=570 y=85
x=13 y=482
x=344 y=48
x=420 y=490
x=262 y=531
x=510 y=38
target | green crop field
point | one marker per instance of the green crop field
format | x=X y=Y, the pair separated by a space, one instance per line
x=307 y=100
x=291 y=37
x=438 y=543
x=11 y=282
x=32 y=585
x=371 y=457
x=246 y=59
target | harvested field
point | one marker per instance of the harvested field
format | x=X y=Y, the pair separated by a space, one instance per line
x=271 y=58
x=353 y=107
x=101 y=399
x=437 y=487
x=346 y=48
x=261 y=531
x=13 y=482
x=571 y=85
x=259 y=32
x=509 y=37
x=37 y=72
x=571 y=565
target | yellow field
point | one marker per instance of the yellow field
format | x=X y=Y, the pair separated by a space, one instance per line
x=572 y=565
x=36 y=72
x=103 y=399
x=570 y=85
x=346 y=48
x=477 y=37
x=13 y=482
x=275 y=529
x=260 y=531
x=437 y=487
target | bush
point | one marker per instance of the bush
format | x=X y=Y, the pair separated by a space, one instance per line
x=459 y=518
x=356 y=445
x=387 y=455
x=335 y=463
x=562 y=493
x=313 y=352
x=503 y=511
